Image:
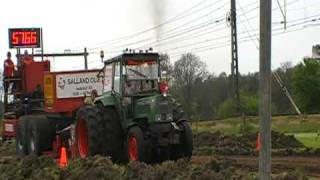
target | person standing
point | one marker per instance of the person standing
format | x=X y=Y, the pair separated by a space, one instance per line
x=8 y=71
x=8 y=66
x=27 y=59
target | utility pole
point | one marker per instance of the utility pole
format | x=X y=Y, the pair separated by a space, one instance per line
x=265 y=90
x=283 y=12
x=85 y=59
x=286 y=92
x=234 y=54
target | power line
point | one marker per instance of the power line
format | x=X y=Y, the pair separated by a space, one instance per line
x=313 y=19
x=227 y=43
x=180 y=16
x=180 y=33
x=157 y=42
x=248 y=38
x=178 y=26
x=168 y=32
x=242 y=38
x=203 y=27
x=275 y=73
x=190 y=11
x=186 y=30
x=247 y=20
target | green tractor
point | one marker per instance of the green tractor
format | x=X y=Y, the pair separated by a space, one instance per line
x=134 y=119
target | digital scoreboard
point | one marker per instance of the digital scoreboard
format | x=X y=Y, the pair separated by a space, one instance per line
x=25 y=38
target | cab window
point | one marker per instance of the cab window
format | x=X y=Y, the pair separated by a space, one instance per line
x=107 y=80
x=116 y=81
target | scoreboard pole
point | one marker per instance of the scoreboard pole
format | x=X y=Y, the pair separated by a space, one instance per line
x=41 y=44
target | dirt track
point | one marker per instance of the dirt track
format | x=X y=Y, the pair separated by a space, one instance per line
x=201 y=167
x=311 y=165
x=231 y=157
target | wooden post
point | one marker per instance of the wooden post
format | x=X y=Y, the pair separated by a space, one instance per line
x=265 y=90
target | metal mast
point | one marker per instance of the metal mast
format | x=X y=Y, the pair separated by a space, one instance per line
x=234 y=54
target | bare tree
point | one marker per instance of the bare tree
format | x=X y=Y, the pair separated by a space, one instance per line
x=187 y=70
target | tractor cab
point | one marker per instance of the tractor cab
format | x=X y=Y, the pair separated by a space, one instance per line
x=134 y=80
x=132 y=74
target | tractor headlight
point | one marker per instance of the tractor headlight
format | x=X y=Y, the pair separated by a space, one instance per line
x=158 y=117
x=163 y=117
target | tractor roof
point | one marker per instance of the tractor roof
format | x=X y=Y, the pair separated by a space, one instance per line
x=133 y=56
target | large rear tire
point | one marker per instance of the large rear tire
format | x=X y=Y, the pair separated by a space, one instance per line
x=22 y=137
x=114 y=138
x=88 y=132
x=137 y=150
x=39 y=135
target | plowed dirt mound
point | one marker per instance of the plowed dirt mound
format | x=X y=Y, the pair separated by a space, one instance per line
x=98 y=167
x=102 y=168
x=217 y=143
x=279 y=140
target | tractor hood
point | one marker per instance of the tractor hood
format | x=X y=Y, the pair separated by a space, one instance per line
x=155 y=108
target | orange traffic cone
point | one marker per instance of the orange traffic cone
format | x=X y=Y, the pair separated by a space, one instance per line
x=63 y=162
x=258 y=145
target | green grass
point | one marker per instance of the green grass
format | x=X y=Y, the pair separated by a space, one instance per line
x=311 y=140
x=294 y=124
x=284 y=124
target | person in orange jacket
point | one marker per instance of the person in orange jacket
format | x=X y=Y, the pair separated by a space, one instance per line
x=8 y=71
x=27 y=59
x=8 y=66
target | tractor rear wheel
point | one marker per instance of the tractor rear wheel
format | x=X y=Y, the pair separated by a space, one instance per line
x=39 y=135
x=88 y=132
x=136 y=145
x=22 y=137
x=114 y=138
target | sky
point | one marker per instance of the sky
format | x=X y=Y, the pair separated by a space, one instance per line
x=169 y=26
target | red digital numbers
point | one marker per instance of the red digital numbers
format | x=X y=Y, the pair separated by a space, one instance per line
x=24 y=38
x=33 y=37
x=15 y=38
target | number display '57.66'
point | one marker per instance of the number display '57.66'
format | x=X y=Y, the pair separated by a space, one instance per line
x=20 y=37
x=24 y=38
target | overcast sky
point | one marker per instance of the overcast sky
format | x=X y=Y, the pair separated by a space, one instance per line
x=98 y=25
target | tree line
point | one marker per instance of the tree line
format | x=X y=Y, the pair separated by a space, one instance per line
x=205 y=95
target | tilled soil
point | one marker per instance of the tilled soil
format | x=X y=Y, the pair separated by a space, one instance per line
x=279 y=140
x=99 y=167
x=218 y=144
x=283 y=167
x=210 y=167
x=282 y=164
